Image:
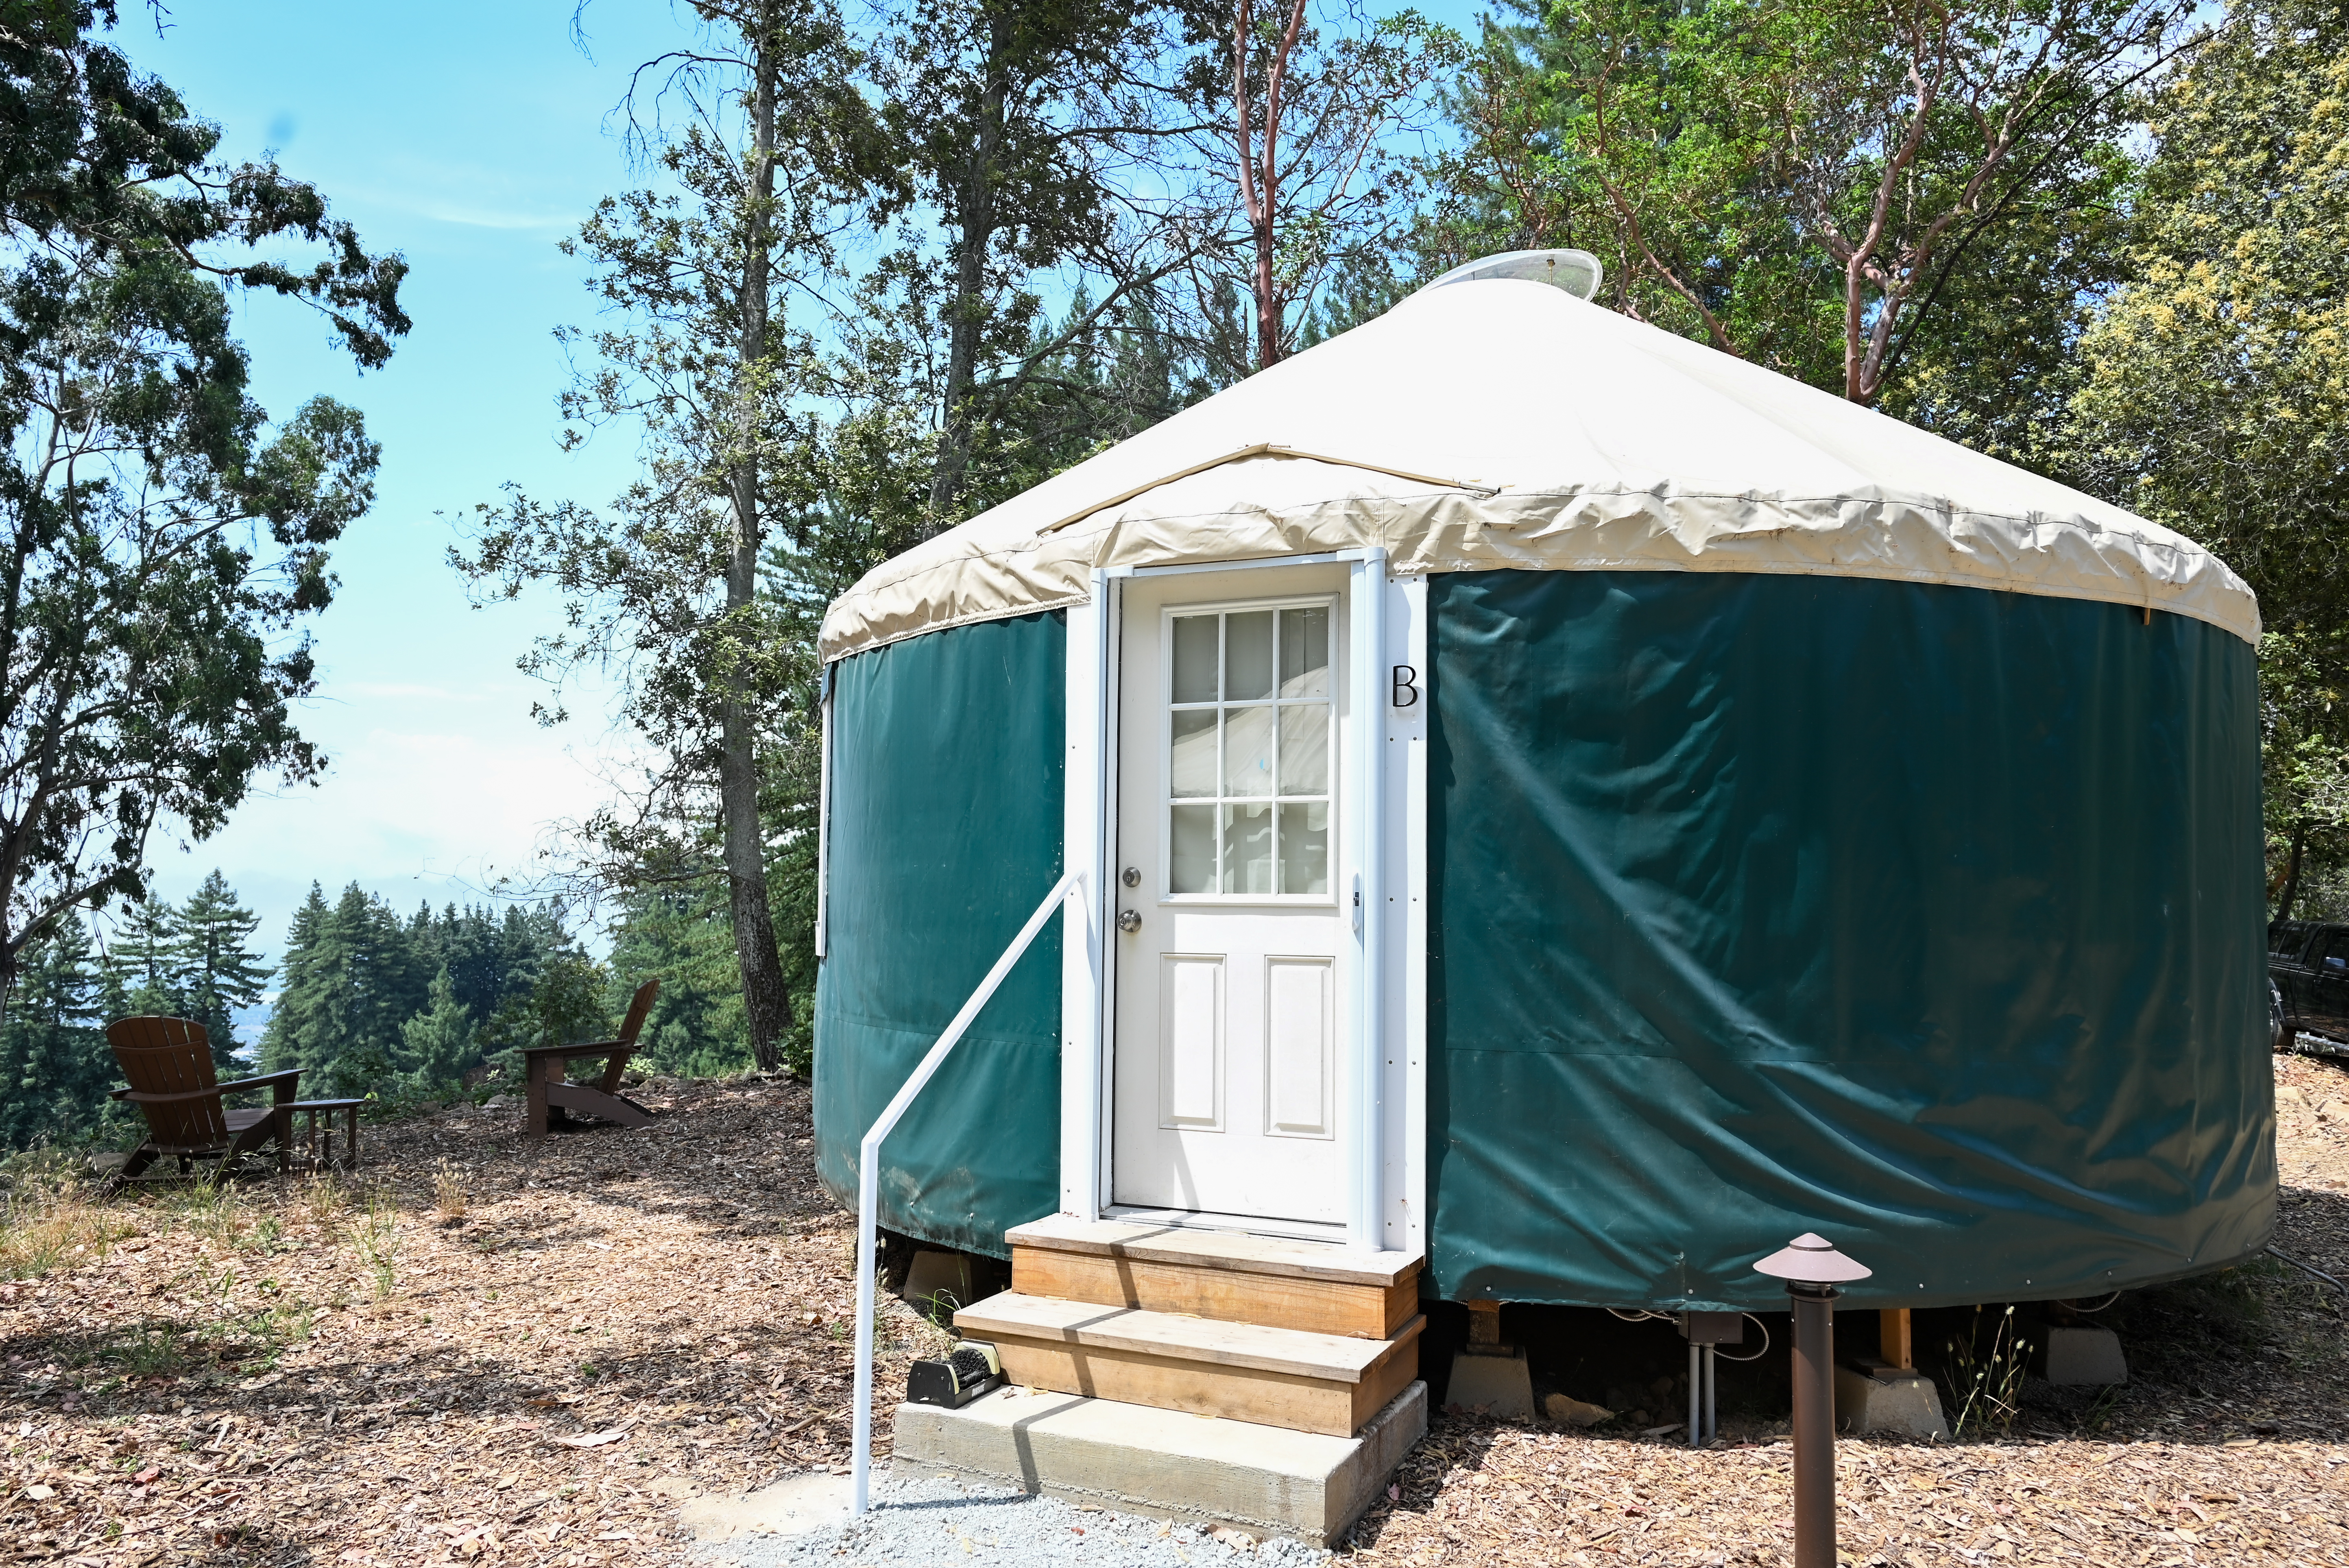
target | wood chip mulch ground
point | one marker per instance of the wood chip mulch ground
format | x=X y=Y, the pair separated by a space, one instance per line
x=347 y=1371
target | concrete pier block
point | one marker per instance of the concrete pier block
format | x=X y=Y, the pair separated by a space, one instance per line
x=2082 y=1355
x=1267 y=1481
x=1496 y=1380
x=1886 y=1400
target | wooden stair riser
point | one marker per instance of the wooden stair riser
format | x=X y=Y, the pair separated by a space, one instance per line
x=1234 y=1393
x=1358 y=1311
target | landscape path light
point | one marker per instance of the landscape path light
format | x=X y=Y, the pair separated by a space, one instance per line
x=1811 y=1269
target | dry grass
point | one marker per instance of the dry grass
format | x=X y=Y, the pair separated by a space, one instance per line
x=46 y=1224
x=448 y=1194
x=324 y=1199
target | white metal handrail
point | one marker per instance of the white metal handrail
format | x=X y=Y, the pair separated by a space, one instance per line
x=868 y=1174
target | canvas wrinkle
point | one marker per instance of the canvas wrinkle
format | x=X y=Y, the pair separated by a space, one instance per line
x=2017 y=1076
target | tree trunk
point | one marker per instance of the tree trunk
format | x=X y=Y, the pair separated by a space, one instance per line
x=1261 y=173
x=766 y=1004
x=974 y=218
x=2291 y=873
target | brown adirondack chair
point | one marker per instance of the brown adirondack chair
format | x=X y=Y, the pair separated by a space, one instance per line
x=169 y=1062
x=551 y=1095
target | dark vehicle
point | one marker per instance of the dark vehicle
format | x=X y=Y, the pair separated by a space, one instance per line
x=2308 y=981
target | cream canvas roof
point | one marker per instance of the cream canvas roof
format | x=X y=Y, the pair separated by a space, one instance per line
x=1504 y=423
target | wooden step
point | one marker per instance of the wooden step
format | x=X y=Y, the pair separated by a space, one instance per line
x=1311 y=1286
x=1241 y=1371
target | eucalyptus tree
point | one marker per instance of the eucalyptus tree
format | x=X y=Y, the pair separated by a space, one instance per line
x=161 y=541
x=761 y=147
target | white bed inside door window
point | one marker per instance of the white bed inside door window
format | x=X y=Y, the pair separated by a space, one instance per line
x=1248 y=756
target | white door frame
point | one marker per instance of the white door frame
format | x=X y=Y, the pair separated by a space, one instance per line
x=1384 y=775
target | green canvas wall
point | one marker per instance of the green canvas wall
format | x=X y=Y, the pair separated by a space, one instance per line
x=946 y=826
x=1929 y=919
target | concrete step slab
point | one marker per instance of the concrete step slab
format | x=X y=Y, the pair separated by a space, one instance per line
x=1267 y=1480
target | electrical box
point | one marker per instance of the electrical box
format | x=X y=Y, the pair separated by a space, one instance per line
x=1713 y=1327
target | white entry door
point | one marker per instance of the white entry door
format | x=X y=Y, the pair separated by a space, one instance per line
x=1230 y=1013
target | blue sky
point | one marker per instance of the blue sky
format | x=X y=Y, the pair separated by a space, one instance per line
x=471 y=138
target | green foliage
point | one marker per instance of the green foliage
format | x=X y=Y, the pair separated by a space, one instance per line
x=375 y=1005
x=55 y=1065
x=164 y=539
x=1841 y=190
x=696 y=1027
x=217 y=974
x=1000 y=116
x=188 y=962
x=770 y=143
x=1323 y=98
x=2215 y=392
x=437 y=1045
x=351 y=980
x=564 y=1003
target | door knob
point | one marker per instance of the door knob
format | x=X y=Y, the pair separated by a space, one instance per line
x=1129 y=921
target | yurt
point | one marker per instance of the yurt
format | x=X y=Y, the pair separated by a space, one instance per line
x=1569 y=807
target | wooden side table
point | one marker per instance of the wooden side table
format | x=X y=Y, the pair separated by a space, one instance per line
x=318 y=1132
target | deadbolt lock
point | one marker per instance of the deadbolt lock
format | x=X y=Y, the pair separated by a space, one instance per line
x=1129 y=921
x=1131 y=876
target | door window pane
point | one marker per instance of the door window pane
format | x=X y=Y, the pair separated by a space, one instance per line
x=1193 y=760
x=1248 y=656
x=1191 y=850
x=1250 y=773
x=1305 y=749
x=1247 y=751
x=1305 y=652
x=1195 y=657
x=1304 y=848
x=1248 y=849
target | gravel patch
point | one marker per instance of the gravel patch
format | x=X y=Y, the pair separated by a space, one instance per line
x=919 y=1524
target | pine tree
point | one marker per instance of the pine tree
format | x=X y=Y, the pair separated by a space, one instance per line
x=439 y=1044
x=142 y=961
x=301 y=1025
x=55 y=1066
x=218 y=973
x=474 y=956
